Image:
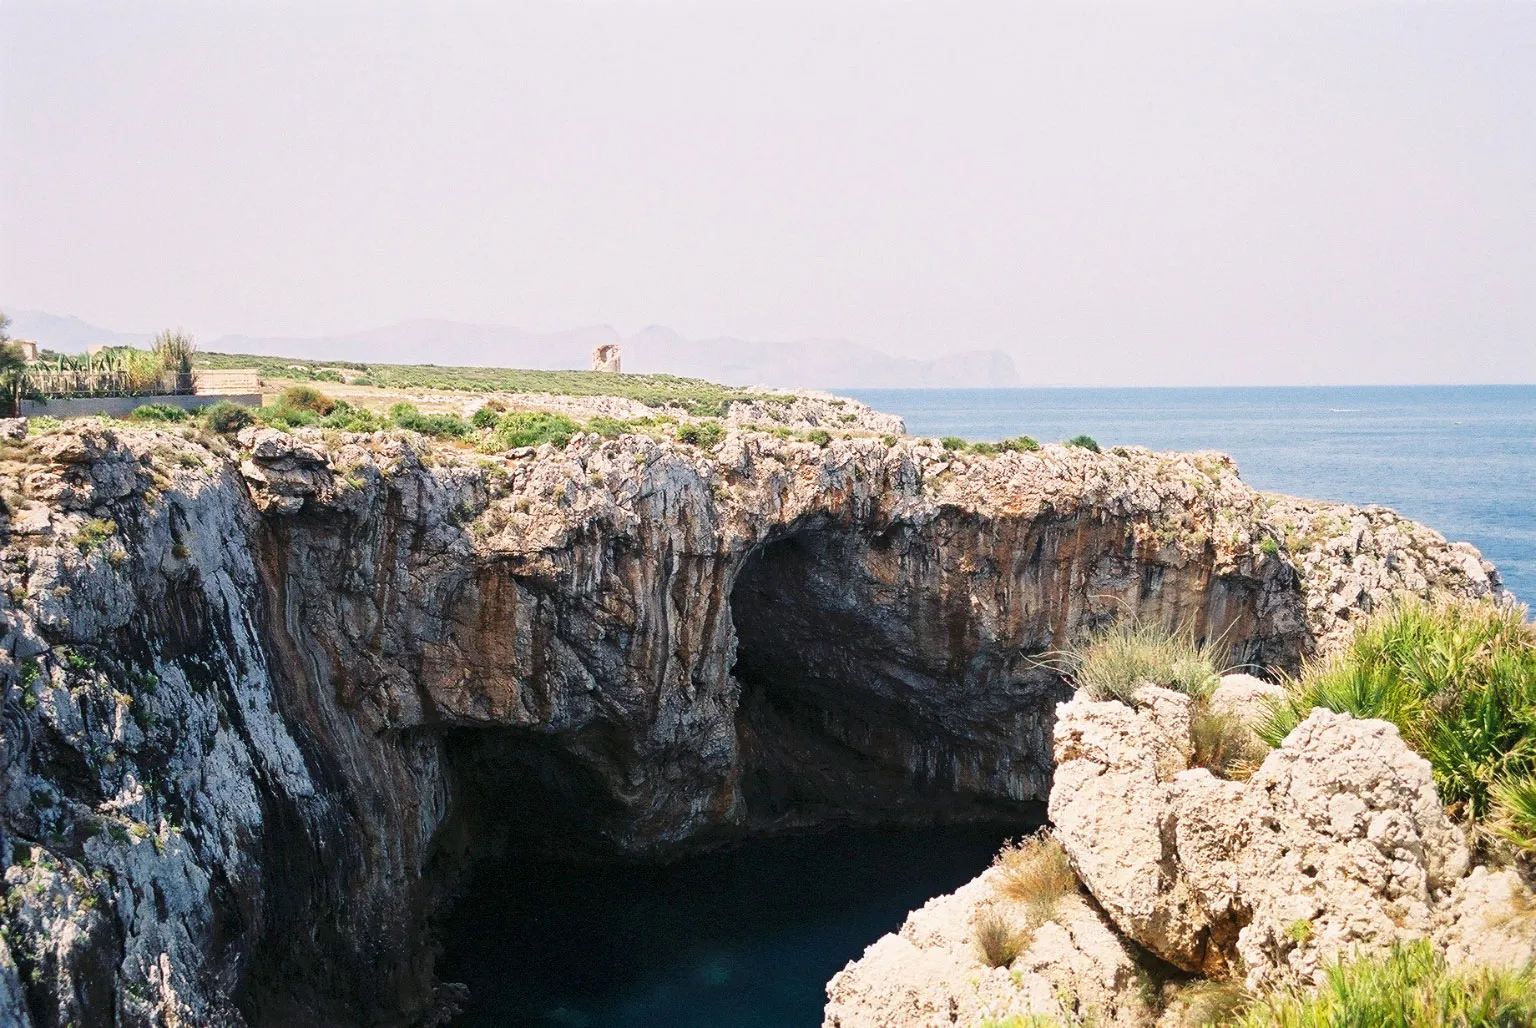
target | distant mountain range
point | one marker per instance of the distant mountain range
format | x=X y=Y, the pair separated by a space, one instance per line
x=806 y=363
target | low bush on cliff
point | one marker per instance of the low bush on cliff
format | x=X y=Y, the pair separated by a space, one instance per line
x=1130 y=654
x=1410 y=987
x=1459 y=681
x=703 y=434
x=306 y=398
x=1084 y=442
x=533 y=428
x=443 y=426
x=225 y=417
x=1035 y=871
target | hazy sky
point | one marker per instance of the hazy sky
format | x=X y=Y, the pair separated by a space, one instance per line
x=1114 y=194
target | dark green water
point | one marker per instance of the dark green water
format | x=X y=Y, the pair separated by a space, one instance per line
x=739 y=939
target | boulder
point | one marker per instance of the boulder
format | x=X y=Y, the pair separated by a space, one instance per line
x=1337 y=843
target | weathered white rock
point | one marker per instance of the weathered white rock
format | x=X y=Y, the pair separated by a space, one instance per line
x=930 y=973
x=1489 y=920
x=1337 y=843
x=1244 y=697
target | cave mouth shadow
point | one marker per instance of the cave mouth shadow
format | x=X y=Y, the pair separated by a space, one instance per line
x=863 y=701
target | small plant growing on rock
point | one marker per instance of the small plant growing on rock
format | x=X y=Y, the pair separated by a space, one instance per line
x=1036 y=871
x=1084 y=442
x=94 y=533
x=1223 y=744
x=952 y=442
x=485 y=417
x=1019 y=444
x=820 y=437
x=999 y=941
x=1269 y=546
x=1130 y=654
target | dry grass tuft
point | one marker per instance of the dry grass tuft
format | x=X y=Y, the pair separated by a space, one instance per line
x=999 y=940
x=1224 y=744
x=1035 y=871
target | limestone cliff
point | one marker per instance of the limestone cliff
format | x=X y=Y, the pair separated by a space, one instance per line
x=265 y=700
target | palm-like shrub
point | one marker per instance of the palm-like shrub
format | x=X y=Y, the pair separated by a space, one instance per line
x=1129 y=654
x=1458 y=680
x=1410 y=987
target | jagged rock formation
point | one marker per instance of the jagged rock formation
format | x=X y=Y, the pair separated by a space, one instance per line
x=1340 y=831
x=1337 y=846
x=265 y=702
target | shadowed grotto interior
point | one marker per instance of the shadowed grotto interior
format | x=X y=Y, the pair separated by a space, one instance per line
x=864 y=699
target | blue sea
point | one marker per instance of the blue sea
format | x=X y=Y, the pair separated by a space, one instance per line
x=1461 y=459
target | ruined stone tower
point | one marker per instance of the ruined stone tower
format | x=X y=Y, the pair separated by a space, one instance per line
x=606 y=358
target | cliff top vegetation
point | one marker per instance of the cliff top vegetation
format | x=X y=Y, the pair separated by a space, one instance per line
x=695 y=396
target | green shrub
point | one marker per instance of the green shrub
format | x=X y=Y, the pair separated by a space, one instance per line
x=348 y=418
x=451 y=426
x=1019 y=444
x=485 y=417
x=1458 y=680
x=1084 y=442
x=1269 y=546
x=1129 y=654
x=1409 y=987
x=1514 y=810
x=820 y=437
x=328 y=375
x=225 y=417
x=985 y=449
x=533 y=428
x=305 y=398
x=888 y=440
x=285 y=417
x=94 y=533
x=611 y=428
x=703 y=434
x=157 y=412
x=952 y=442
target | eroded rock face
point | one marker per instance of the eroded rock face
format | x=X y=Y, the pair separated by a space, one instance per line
x=264 y=701
x=1337 y=844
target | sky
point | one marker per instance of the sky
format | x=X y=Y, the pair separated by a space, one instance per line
x=1132 y=194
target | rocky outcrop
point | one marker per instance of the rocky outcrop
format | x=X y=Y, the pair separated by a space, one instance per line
x=266 y=700
x=1337 y=844
x=930 y=973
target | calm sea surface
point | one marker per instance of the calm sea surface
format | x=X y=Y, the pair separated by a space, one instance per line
x=1459 y=458
x=741 y=939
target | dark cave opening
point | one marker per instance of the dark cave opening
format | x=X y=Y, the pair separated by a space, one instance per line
x=886 y=745
x=866 y=699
